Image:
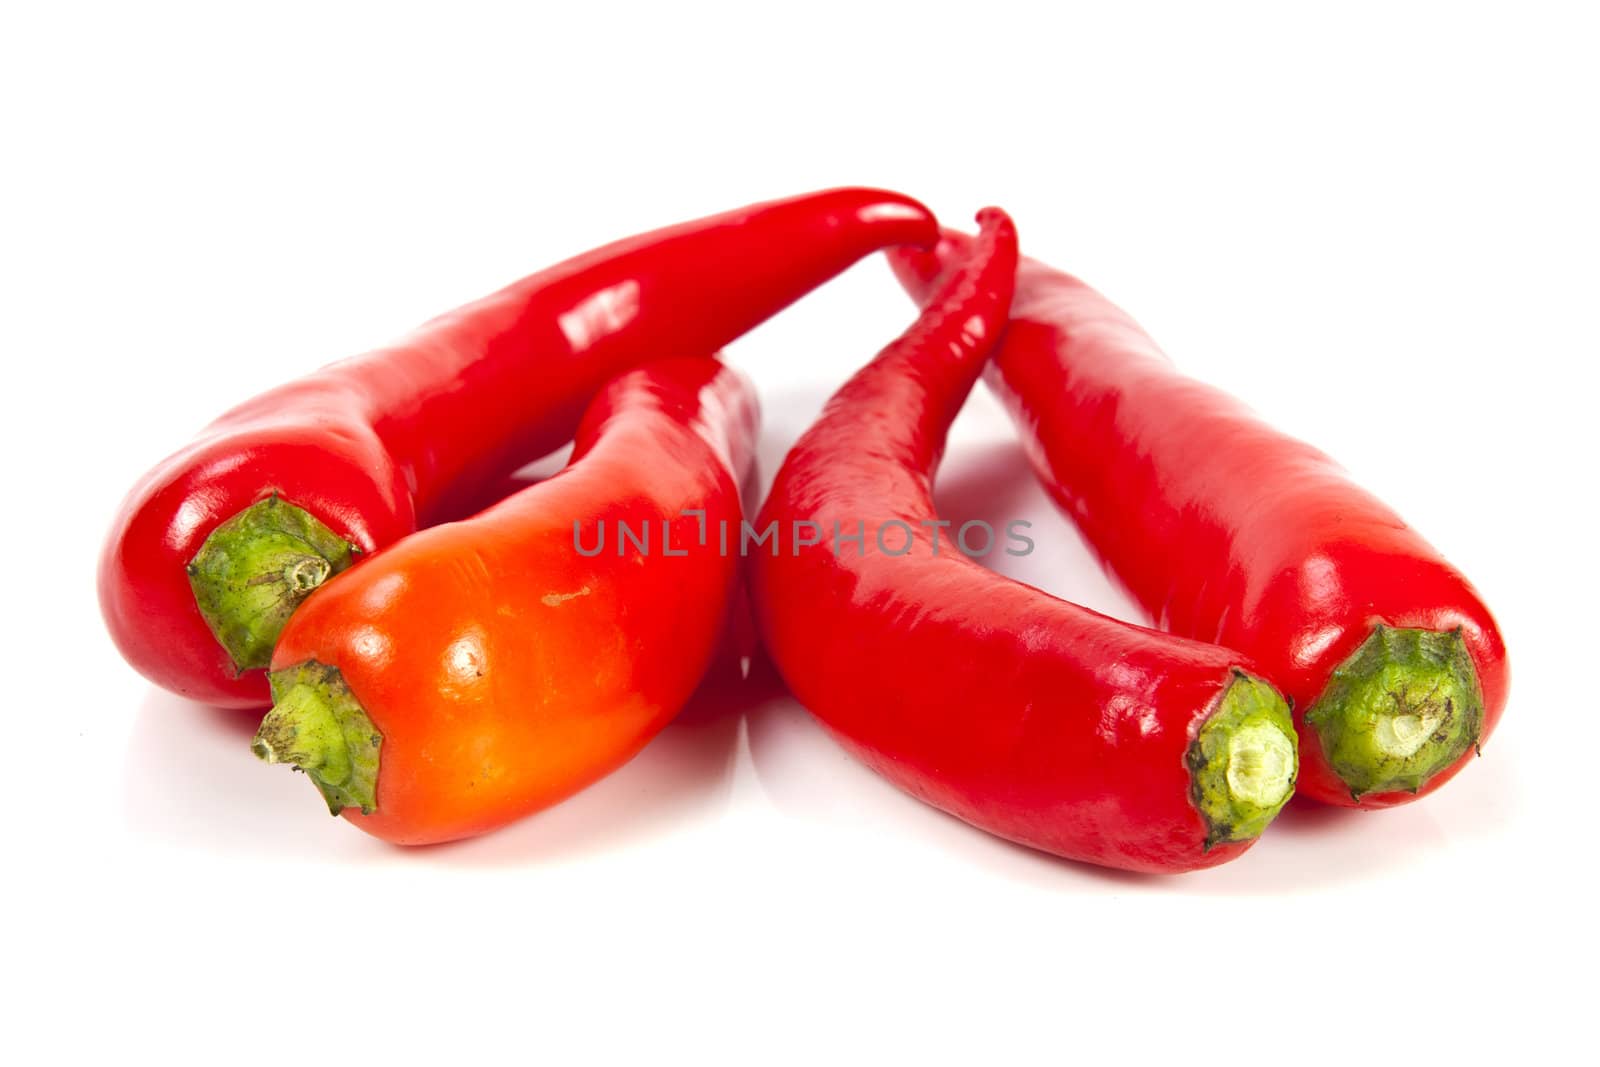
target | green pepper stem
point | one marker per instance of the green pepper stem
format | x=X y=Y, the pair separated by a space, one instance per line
x=1243 y=762
x=256 y=568
x=1402 y=708
x=318 y=726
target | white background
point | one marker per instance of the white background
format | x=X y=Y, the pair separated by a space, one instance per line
x=1378 y=225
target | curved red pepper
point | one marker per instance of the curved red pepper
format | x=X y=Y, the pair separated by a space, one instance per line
x=481 y=670
x=1033 y=718
x=1226 y=530
x=376 y=446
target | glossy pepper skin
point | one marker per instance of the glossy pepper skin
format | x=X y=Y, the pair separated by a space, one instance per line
x=1028 y=716
x=502 y=667
x=1221 y=527
x=379 y=445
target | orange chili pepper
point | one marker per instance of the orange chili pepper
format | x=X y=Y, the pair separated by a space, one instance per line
x=481 y=670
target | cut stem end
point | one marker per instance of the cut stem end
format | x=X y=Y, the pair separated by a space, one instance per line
x=256 y=568
x=316 y=725
x=1243 y=762
x=1402 y=708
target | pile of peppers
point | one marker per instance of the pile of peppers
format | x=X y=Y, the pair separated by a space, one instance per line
x=445 y=650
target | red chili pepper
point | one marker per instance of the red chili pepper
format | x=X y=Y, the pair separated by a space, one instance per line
x=214 y=548
x=1028 y=716
x=1226 y=530
x=481 y=670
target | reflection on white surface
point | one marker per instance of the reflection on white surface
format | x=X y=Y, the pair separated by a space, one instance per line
x=191 y=781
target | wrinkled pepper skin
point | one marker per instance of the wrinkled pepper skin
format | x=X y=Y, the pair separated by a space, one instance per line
x=505 y=669
x=382 y=444
x=1027 y=716
x=1221 y=527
